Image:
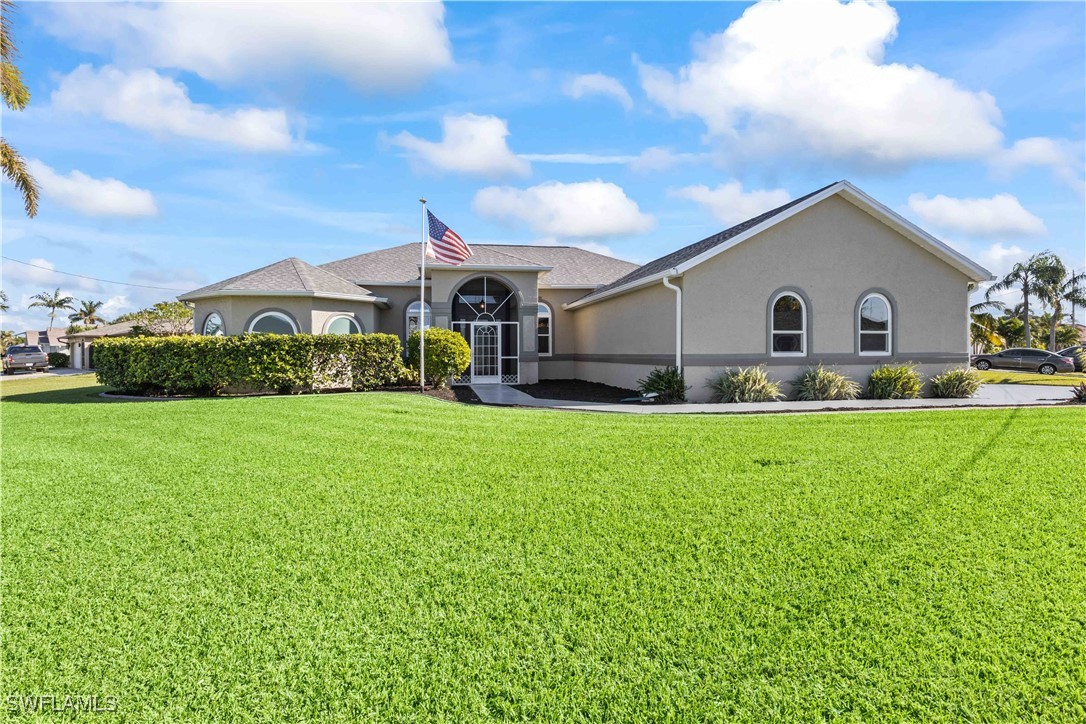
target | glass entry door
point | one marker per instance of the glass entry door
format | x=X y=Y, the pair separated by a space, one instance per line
x=486 y=344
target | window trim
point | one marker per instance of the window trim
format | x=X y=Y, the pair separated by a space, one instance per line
x=271 y=313
x=888 y=334
x=805 y=327
x=222 y=324
x=344 y=315
x=550 y=328
x=427 y=310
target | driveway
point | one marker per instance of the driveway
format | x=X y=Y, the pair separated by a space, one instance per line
x=61 y=372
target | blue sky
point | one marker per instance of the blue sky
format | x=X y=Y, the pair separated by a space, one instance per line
x=181 y=144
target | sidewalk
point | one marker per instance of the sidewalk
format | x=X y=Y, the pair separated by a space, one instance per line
x=988 y=396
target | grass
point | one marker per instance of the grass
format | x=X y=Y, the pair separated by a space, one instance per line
x=386 y=556
x=1004 y=377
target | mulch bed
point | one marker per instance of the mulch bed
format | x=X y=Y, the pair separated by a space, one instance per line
x=460 y=393
x=576 y=390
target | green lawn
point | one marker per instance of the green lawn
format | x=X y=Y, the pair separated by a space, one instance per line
x=1069 y=379
x=385 y=556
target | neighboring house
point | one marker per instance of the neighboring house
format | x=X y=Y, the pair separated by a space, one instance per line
x=82 y=343
x=50 y=340
x=833 y=277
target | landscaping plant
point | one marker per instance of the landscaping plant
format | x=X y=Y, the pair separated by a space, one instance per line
x=961 y=382
x=668 y=383
x=894 y=382
x=744 y=384
x=819 y=383
x=1078 y=393
x=198 y=365
x=447 y=354
x=58 y=360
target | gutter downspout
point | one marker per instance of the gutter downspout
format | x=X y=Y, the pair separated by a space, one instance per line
x=678 y=317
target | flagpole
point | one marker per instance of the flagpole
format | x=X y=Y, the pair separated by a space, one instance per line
x=422 y=304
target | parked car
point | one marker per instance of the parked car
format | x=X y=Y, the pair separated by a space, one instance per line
x=1076 y=353
x=1025 y=360
x=25 y=357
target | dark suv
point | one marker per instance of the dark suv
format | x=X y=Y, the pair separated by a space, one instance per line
x=1077 y=353
x=1025 y=360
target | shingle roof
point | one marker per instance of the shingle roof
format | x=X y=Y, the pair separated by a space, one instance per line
x=675 y=258
x=119 y=329
x=46 y=336
x=288 y=275
x=569 y=266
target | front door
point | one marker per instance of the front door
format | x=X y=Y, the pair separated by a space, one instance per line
x=486 y=339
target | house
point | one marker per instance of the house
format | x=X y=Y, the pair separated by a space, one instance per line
x=82 y=343
x=50 y=340
x=833 y=277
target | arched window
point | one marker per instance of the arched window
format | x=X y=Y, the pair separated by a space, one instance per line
x=342 y=324
x=213 y=326
x=874 y=325
x=789 y=326
x=413 y=317
x=272 y=323
x=484 y=299
x=543 y=330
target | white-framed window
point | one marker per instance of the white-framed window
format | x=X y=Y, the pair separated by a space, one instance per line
x=213 y=326
x=413 y=317
x=342 y=324
x=543 y=330
x=788 y=333
x=272 y=323
x=874 y=325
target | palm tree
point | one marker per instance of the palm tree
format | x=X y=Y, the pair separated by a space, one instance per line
x=4 y=306
x=8 y=338
x=53 y=303
x=983 y=332
x=1028 y=276
x=87 y=313
x=16 y=97
x=1057 y=287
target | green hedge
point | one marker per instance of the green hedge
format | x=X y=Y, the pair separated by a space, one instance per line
x=197 y=365
x=58 y=360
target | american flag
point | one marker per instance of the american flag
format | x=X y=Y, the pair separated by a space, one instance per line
x=445 y=245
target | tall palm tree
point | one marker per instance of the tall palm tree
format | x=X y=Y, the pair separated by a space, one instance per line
x=4 y=306
x=54 y=303
x=1027 y=276
x=16 y=97
x=87 y=313
x=1058 y=287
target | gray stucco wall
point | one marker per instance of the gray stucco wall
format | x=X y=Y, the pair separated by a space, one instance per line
x=309 y=314
x=832 y=254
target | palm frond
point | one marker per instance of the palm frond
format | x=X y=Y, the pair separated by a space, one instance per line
x=16 y=170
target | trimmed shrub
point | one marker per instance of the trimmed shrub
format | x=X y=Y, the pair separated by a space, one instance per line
x=744 y=384
x=58 y=359
x=197 y=365
x=668 y=383
x=819 y=383
x=447 y=354
x=894 y=382
x=960 y=382
x=1078 y=393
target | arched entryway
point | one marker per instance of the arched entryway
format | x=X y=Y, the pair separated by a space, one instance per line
x=485 y=312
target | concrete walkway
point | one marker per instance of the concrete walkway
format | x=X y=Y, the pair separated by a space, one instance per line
x=988 y=396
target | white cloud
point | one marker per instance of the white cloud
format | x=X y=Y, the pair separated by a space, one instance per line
x=730 y=204
x=1000 y=216
x=374 y=46
x=38 y=272
x=772 y=80
x=470 y=144
x=598 y=84
x=579 y=210
x=93 y=196
x=147 y=101
x=593 y=246
x=657 y=158
x=585 y=159
x=999 y=258
x=1063 y=157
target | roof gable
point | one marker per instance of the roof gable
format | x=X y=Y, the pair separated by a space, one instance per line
x=678 y=262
